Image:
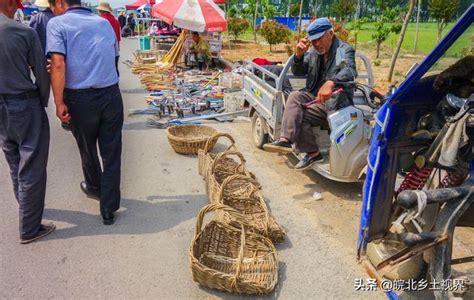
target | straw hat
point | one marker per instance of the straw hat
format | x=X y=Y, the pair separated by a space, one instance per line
x=104 y=6
x=42 y=3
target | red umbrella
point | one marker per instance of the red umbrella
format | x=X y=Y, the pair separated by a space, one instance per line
x=195 y=15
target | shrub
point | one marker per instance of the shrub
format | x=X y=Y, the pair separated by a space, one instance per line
x=274 y=33
x=237 y=26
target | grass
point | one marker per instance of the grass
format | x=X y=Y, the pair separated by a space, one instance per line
x=427 y=38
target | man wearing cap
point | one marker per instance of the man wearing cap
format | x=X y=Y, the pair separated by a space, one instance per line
x=24 y=127
x=106 y=12
x=84 y=78
x=323 y=75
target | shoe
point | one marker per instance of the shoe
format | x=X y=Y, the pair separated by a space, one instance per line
x=66 y=126
x=308 y=161
x=43 y=231
x=91 y=193
x=108 y=218
x=279 y=146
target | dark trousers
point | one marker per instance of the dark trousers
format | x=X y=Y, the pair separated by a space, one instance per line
x=24 y=139
x=298 y=120
x=97 y=119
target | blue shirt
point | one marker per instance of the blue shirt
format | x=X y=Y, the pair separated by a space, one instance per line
x=89 y=45
x=39 y=22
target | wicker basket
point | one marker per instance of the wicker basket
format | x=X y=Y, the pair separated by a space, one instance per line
x=222 y=167
x=206 y=157
x=230 y=259
x=188 y=139
x=242 y=194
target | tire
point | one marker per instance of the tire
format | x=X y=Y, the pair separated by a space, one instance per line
x=258 y=131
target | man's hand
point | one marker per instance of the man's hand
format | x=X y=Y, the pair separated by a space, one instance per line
x=62 y=113
x=325 y=91
x=48 y=65
x=301 y=48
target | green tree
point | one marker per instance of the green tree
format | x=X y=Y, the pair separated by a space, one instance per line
x=356 y=28
x=400 y=38
x=385 y=24
x=344 y=9
x=269 y=10
x=274 y=33
x=237 y=26
x=443 y=11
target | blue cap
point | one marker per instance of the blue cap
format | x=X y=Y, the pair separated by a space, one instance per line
x=318 y=28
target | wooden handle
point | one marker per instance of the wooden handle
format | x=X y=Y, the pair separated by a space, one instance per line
x=226 y=154
x=216 y=137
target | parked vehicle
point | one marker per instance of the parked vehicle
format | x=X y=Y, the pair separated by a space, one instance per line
x=420 y=176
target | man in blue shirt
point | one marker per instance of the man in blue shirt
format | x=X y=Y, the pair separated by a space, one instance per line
x=84 y=78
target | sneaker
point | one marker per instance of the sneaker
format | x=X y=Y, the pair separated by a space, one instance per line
x=279 y=146
x=42 y=232
x=308 y=161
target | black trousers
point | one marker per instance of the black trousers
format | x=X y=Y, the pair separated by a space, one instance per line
x=297 y=122
x=97 y=120
x=24 y=139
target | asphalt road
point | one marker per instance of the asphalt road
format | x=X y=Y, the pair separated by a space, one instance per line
x=145 y=254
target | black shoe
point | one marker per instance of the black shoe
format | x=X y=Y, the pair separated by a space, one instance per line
x=66 y=126
x=90 y=192
x=279 y=146
x=108 y=218
x=42 y=232
x=307 y=162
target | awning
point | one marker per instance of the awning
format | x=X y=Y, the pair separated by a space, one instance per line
x=139 y=3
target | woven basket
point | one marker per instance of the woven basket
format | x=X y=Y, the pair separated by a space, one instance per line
x=206 y=157
x=222 y=167
x=242 y=194
x=230 y=259
x=188 y=139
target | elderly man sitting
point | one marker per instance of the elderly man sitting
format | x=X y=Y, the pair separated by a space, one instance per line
x=324 y=75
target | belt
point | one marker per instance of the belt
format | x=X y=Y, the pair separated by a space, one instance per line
x=26 y=95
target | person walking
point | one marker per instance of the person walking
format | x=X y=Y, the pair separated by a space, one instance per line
x=122 y=20
x=106 y=12
x=84 y=79
x=39 y=21
x=24 y=126
x=131 y=23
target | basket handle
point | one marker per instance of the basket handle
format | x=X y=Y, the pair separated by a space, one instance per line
x=215 y=137
x=240 y=258
x=254 y=190
x=218 y=206
x=224 y=155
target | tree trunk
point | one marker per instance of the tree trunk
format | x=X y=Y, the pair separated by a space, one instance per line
x=299 y=23
x=315 y=8
x=378 y=50
x=438 y=25
x=418 y=11
x=255 y=23
x=400 y=39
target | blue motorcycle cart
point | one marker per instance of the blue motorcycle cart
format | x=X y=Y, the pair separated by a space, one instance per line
x=419 y=183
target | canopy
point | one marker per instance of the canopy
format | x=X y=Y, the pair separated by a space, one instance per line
x=195 y=15
x=138 y=4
